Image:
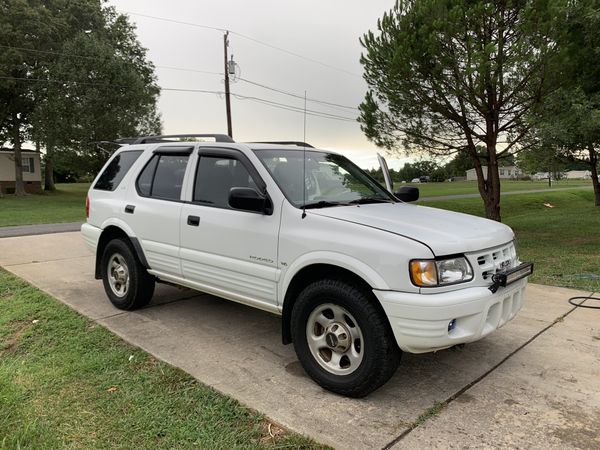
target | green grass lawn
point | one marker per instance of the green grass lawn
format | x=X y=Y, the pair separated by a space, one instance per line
x=66 y=382
x=470 y=187
x=67 y=204
x=563 y=242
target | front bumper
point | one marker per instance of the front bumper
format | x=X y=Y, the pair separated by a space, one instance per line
x=420 y=321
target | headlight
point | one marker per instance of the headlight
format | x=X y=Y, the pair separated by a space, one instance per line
x=430 y=273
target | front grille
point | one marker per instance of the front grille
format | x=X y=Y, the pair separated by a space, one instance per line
x=495 y=260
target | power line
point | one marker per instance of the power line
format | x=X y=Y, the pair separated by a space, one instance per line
x=184 y=69
x=297 y=55
x=271 y=103
x=299 y=109
x=267 y=102
x=180 y=22
x=44 y=80
x=250 y=38
x=297 y=95
x=241 y=35
x=95 y=58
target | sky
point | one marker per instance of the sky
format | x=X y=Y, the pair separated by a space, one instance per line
x=326 y=31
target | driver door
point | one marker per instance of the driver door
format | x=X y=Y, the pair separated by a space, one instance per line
x=225 y=251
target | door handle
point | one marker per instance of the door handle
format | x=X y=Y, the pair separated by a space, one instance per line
x=193 y=221
x=129 y=209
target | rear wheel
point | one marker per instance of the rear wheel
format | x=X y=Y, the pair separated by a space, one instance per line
x=342 y=340
x=127 y=283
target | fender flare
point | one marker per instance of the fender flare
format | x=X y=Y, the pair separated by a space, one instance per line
x=350 y=263
x=135 y=243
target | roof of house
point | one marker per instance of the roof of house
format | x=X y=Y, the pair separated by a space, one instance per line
x=23 y=150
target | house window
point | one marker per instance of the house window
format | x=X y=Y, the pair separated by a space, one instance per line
x=501 y=172
x=28 y=165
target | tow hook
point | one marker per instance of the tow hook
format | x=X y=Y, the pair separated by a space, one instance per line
x=497 y=282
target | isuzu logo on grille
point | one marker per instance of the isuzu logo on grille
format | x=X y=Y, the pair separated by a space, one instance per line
x=505 y=265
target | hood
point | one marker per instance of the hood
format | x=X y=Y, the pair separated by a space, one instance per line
x=445 y=232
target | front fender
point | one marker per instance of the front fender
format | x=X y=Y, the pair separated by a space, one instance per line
x=364 y=271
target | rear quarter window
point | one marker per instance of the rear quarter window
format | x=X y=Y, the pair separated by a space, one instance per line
x=117 y=169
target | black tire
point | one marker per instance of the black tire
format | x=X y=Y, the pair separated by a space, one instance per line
x=141 y=283
x=381 y=355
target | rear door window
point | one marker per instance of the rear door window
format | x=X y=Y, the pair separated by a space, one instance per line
x=163 y=177
x=116 y=170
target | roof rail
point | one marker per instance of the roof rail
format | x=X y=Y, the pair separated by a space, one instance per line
x=298 y=143
x=170 y=137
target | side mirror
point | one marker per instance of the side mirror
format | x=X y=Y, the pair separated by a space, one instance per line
x=407 y=194
x=249 y=199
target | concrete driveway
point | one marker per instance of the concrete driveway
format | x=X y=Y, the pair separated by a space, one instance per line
x=535 y=383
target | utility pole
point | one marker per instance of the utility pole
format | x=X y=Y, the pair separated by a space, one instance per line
x=227 y=96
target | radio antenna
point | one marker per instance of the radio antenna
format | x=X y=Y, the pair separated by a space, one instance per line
x=304 y=163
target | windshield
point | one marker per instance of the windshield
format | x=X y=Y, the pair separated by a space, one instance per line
x=331 y=180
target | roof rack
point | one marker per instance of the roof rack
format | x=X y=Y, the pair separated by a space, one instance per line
x=298 y=143
x=170 y=137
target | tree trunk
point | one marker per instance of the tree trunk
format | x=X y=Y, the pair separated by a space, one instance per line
x=489 y=188
x=49 y=168
x=19 y=185
x=492 y=202
x=594 y=170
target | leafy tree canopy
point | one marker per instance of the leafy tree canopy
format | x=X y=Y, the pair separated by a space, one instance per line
x=567 y=124
x=447 y=76
x=75 y=74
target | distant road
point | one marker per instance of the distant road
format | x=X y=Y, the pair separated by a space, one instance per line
x=531 y=191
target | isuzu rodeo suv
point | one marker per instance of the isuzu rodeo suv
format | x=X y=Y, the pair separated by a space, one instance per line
x=357 y=273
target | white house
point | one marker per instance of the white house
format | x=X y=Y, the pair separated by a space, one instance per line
x=32 y=173
x=505 y=173
x=578 y=175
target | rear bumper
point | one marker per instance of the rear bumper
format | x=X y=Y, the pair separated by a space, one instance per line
x=420 y=321
x=91 y=236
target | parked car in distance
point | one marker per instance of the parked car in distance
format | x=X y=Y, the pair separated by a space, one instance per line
x=357 y=274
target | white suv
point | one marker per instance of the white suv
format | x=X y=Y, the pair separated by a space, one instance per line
x=357 y=274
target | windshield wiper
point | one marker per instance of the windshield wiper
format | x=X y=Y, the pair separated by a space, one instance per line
x=367 y=200
x=324 y=204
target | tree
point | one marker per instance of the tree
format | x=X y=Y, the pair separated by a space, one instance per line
x=24 y=25
x=101 y=86
x=567 y=123
x=445 y=76
x=544 y=157
x=75 y=75
x=459 y=165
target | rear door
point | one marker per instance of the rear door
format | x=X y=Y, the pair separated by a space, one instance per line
x=229 y=252
x=153 y=209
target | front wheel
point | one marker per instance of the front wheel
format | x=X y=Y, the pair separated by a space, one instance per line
x=342 y=340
